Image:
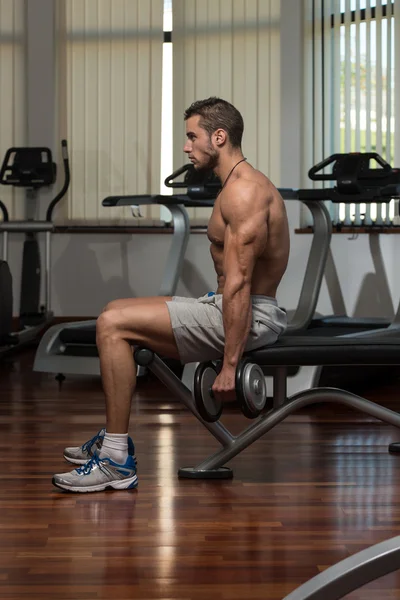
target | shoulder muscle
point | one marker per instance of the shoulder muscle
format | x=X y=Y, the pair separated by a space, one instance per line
x=245 y=206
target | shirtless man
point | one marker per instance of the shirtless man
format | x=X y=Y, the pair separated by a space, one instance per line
x=249 y=236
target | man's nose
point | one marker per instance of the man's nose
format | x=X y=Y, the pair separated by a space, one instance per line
x=186 y=147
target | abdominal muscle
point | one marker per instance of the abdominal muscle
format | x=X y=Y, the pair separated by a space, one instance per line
x=265 y=279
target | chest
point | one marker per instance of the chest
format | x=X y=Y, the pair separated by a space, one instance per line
x=216 y=225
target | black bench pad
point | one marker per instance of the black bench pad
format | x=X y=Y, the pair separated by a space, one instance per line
x=305 y=350
x=295 y=350
x=79 y=335
x=343 y=321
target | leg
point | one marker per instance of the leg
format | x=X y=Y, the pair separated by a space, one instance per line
x=142 y=321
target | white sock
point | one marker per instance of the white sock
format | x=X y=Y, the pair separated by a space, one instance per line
x=115 y=446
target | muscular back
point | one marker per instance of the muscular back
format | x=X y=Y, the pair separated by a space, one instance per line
x=252 y=206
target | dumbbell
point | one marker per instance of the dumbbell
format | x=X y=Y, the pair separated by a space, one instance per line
x=209 y=408
x=251 y=390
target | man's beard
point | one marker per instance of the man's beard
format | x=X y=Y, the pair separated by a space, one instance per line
x=211 y=160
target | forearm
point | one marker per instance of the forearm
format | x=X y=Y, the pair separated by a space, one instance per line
x=237 y=314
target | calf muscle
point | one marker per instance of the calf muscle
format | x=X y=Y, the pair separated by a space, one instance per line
x=144 y=322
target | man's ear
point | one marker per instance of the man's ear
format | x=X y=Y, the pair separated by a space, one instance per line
x=220 y=137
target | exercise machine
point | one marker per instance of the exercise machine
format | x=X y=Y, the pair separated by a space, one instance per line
x=354 y=182
x=71 y=347
x=352 y=573
x=31 y=168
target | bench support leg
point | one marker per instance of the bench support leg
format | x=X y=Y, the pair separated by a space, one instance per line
x=214 y=466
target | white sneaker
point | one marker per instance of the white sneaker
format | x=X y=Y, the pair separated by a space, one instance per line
x=97 y=475
x=79 y=455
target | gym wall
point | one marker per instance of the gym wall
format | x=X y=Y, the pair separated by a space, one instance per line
x=90 y=270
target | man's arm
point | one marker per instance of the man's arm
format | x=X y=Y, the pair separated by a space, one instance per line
x=245 y=213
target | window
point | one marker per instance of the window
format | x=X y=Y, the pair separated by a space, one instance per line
x=167 y=117
x=230 y=49
x=110 y=81
x=12 y=93
x=353 y=58
x=125 y=80
x=167 y=127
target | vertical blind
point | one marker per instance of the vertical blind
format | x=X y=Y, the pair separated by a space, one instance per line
x=110 y=76
x=231 y=49
x=350 y=89
x=396 y=106
x=12 y=92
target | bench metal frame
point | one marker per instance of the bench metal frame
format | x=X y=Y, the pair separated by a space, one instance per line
x=351 y=573
x=283 y=406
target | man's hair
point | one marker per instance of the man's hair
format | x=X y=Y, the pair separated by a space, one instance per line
x=216 y=113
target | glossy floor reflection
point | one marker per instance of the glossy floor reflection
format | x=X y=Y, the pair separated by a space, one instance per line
x=316 y=489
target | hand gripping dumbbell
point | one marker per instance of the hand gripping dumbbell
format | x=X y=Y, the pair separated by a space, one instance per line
x=251 y=390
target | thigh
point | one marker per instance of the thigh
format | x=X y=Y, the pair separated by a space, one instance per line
x=135 y=302
x=199 y=330
x=145 y=322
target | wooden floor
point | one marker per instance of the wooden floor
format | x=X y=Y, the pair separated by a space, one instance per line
x=317 y=488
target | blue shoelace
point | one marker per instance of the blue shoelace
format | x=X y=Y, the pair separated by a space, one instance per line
x=90 y=443
x=87 y=467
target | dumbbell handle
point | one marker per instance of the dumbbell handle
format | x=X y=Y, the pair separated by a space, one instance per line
x=257 y=388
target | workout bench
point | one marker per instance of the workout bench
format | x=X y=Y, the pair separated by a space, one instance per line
x=353 y=572
x=287 y=352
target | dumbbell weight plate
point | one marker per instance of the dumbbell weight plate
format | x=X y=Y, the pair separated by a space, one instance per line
x=209 y=408
x=251 y=389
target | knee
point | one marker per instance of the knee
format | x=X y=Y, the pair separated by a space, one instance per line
x=107 y=321
x=107 y=324
x=113 y=305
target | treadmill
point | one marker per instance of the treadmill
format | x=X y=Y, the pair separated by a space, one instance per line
x=355 y=183
x=32 y=169
x=71 y=348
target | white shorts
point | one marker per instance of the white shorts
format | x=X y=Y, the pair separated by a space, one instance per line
x=198 y=326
